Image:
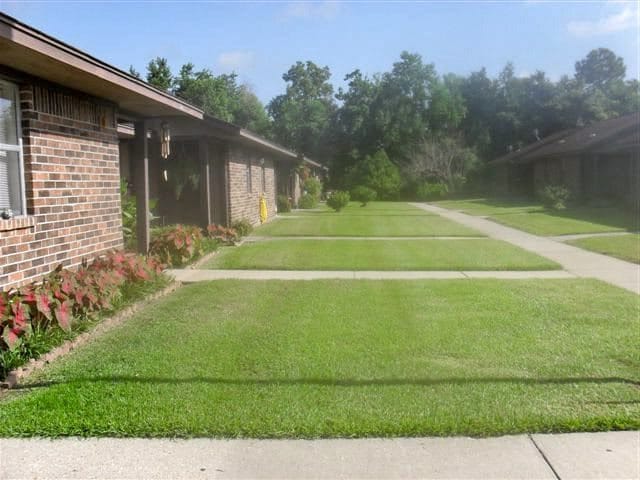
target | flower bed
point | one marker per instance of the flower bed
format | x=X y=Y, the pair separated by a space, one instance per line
x=37 y=316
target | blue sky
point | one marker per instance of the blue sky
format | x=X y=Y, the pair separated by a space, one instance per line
x=260 y=40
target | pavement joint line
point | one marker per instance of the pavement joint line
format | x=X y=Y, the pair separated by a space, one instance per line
x=544 y=456
x=193 y=276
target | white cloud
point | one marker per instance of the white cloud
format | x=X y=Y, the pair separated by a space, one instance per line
x=618 y=22
x=236 y=60
x=326 y=10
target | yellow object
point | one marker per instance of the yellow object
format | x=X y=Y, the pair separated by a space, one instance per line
x=263 y=209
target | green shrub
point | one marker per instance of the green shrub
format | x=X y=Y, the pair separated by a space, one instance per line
x=283 y=204
x=243 y=227
x=224 y=235
x=307 y=201
x=379 y=173
x=555 y=197
x=313 y=187
x=176 y=245
x=338 y=200
x=363 y=195
x=431 y=191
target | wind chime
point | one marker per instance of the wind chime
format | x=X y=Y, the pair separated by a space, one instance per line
x=165 y=145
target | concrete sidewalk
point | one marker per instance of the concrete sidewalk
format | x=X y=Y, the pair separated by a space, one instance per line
x=573 y=259
x=579 y=455
x=195 y=275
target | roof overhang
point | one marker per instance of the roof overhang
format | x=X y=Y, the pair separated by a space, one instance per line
x=28 y=50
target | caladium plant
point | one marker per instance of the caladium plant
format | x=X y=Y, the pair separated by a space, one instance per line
x=66 y=294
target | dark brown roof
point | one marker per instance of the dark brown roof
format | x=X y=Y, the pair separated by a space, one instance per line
x=615 y=134
x=530 y=149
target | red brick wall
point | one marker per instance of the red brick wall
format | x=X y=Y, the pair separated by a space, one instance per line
x=243 y=204
x=72 y=186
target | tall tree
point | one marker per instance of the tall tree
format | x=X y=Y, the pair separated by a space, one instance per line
x=216 y=95
x=250 y=113
x=401 y=110
x=159 y=74
x=600 y=68
x=301 y=115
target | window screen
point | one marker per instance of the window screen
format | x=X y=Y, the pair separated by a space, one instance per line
x=11 y=174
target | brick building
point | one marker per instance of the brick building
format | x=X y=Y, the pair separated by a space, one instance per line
x=597 y=161
x=71 y=126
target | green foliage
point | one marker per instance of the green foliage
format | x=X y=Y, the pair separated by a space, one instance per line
x=313 y=187
x=224 y=235
x=431 y=191
x=378 y=173
x=302 y=114
x=216 y=95
x=243 y=227
x=363 y=195
x=283 y=204
x=338 y=200
x=159 y=74
x=176 y=245
x=555 y=197
x=307 y=201
x=129 y=215
x=600 y=68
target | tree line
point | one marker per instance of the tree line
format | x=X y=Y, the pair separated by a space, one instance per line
x=397 y=130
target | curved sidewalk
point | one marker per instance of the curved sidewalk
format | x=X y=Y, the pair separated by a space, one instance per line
x=574 y=260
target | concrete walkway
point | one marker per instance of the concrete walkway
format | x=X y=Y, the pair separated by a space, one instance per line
x=565 y=456
x=573 y=259
x=194 y=275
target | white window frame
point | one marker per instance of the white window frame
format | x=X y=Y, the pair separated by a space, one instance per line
x=17 y=148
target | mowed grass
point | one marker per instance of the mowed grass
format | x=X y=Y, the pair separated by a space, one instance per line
x=624 y=247
x=535 y=219
x=350 y=359
x=463 y=254
x=379 y=219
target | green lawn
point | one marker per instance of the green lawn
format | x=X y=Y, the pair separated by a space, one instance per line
x=486 y=206
x=625 y=247
x=534 y=219
x=378 y=219
x=375 y=209
x=350 y=359
x=466 y=254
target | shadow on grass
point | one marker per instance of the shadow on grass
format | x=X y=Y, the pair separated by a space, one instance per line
x=328 y=382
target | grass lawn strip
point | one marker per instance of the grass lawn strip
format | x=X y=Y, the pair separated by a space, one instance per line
x=378 y=219
x=337 y=225
x=350 y=359
x=624 y=247
x=399 y=255
x=535 y=219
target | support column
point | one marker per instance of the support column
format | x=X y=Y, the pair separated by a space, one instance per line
x=205 y=162
x=141 y=162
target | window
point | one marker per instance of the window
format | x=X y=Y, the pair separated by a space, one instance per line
x=248 y=174
x=264 y=180
x=11 y=168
